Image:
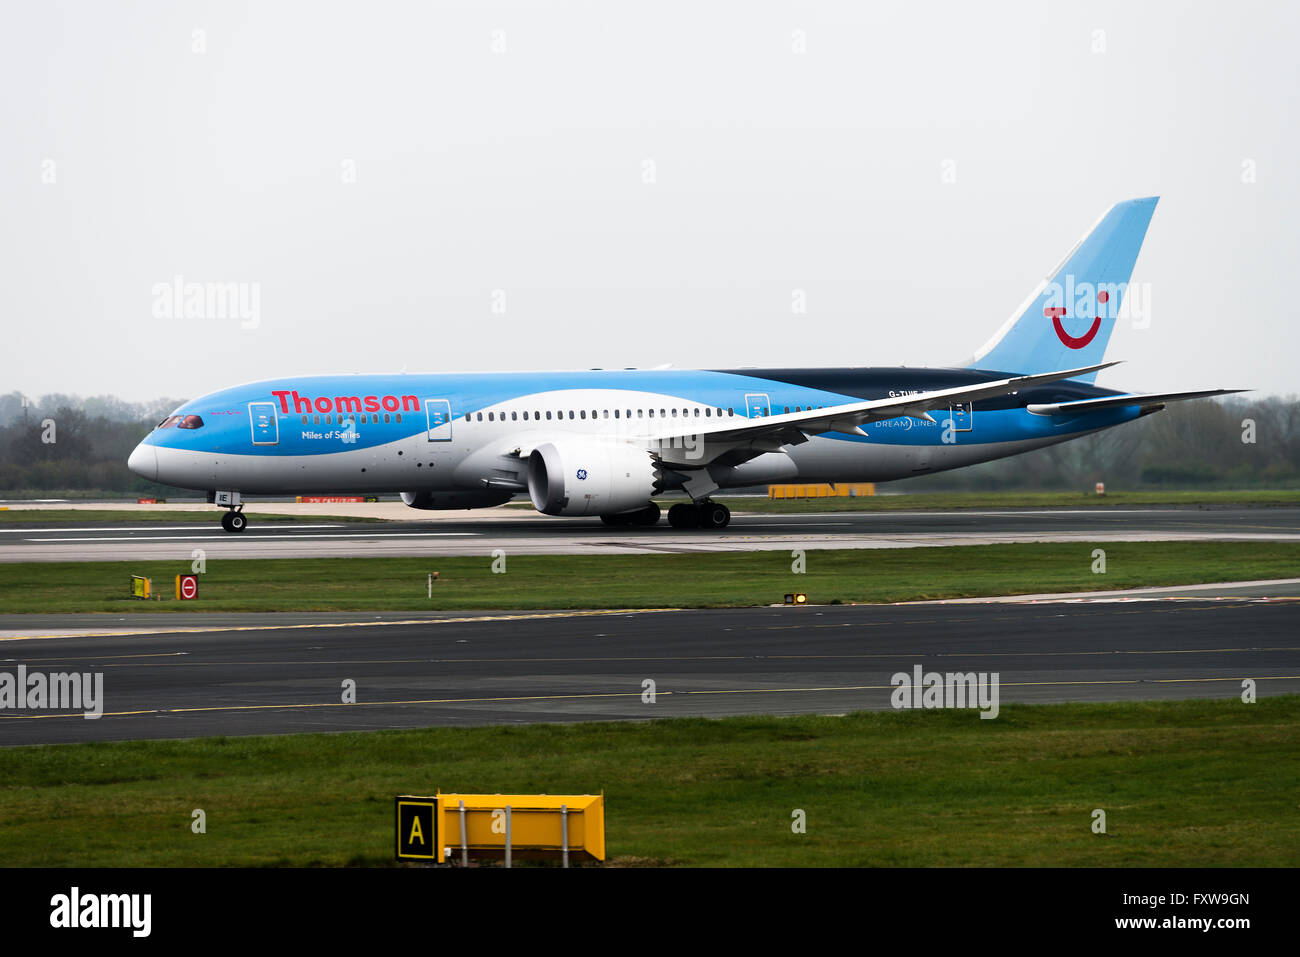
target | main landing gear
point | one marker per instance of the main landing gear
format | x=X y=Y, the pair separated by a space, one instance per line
x=704 y=514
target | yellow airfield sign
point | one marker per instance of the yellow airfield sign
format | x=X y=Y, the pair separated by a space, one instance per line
x=500 y=826
x=417 y=829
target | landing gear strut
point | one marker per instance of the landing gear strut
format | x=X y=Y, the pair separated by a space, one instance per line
x=233 y=520
x=704 y=514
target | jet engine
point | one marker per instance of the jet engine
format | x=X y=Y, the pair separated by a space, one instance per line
x=590 y=478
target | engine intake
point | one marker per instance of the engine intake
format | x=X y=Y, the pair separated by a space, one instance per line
x=590 y=478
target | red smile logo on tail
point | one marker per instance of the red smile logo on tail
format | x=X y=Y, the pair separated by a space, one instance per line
x=1055 y=313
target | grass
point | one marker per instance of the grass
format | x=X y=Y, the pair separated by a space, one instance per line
x=639 y=581
x=135 y=516
x=1187 y=783
x=955 y=501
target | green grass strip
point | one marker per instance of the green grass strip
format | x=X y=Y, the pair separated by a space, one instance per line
x=1203 y=783
x=725 y=579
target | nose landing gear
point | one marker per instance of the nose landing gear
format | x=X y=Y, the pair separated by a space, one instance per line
x=233 y=520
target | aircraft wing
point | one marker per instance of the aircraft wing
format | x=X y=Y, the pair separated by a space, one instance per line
x=795 y=427
x=1118 y=401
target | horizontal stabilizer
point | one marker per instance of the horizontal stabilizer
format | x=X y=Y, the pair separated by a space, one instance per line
x=1121 y=401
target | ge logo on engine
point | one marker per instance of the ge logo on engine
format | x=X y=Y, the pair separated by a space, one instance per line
x=582 y=474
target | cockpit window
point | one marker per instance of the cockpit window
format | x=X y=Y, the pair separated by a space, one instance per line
x=168 y=422
x=189 y=422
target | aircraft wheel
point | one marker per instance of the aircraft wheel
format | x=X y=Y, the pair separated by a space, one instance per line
x=225 y=520
x=648 y=515
x=234 y=522
x=620 y=518
x=713 y=515
x=683 y=515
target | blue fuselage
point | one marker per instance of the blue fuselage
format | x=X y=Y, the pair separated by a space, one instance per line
x=464 y=433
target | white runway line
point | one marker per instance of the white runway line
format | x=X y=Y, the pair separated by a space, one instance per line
x=1117 y=594
x=147 y=528
x=279 y=538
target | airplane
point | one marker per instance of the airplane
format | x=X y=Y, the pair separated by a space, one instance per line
x=607 y=442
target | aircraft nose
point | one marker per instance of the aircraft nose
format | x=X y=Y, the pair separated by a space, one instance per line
x=144 y=462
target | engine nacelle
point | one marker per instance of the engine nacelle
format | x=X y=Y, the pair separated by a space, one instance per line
x=431 y=501
x=590 y=478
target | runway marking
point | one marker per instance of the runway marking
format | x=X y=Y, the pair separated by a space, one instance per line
x=330 y=704
x=269 y=526
x=912 y=655
x=583 y=696
x=342 y=624
x=1217 y=605
x=1003 y=684
x=797 y=525
x=359 y=536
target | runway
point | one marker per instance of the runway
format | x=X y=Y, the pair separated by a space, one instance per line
x=522 y=533
x=240 y=674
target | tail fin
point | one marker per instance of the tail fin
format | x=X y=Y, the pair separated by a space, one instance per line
x=1067 y=321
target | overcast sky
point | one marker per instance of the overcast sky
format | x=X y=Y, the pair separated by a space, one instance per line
x=474 y=186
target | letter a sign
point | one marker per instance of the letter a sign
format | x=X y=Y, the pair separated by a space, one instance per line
x=416 y=821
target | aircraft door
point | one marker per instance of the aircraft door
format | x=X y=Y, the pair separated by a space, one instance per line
x=757 y=405
x=438 y=412
x=963 y=416
x=266 y=427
